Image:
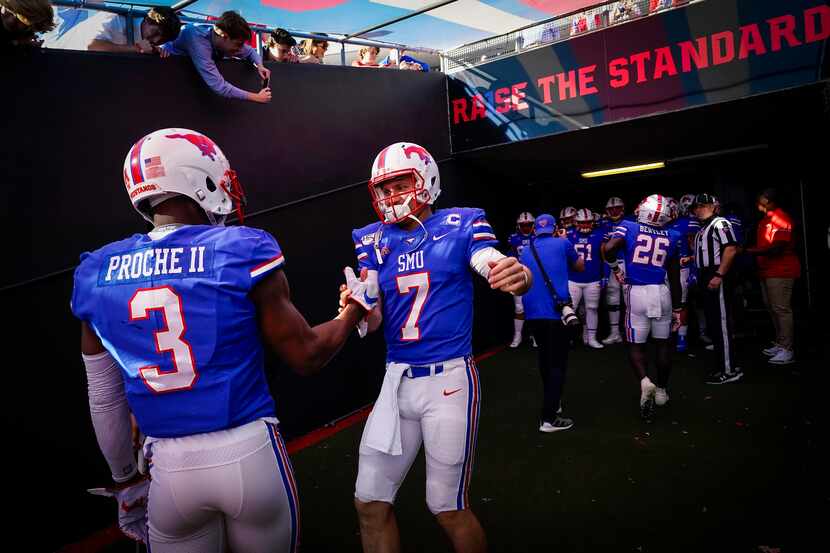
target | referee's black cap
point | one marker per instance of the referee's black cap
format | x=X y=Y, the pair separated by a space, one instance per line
x=704 y=198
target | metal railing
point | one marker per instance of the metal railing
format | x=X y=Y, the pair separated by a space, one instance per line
x=130 y=12
x=553 y=30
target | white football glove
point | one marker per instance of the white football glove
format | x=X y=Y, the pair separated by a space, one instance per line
x=132 y=508
x=363 y=292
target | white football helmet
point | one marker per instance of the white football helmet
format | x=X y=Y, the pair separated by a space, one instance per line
x=685 y=204
x=653 y=210
x=566 y=216
x=404 y=159
x=174 y=161
x=524 y=224
x=614 y=208
x=674 y=208
x=584 y=220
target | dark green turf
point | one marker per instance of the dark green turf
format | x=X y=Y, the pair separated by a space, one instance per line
x=721 y=468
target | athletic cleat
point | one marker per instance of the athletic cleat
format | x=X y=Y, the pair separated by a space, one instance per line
x=682 y=345
x=710 y=347
x=613 y=338
x=533 y=342
x=647 y=391
x=705 y=339
x=592 y=342
x=516 y=341
x=772 y=351
x=783 y=357
x=661 y=397
x=561 y=423
x=724 y=378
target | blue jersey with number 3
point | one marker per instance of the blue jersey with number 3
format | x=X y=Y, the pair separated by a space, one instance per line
x=175 y=314
x=589 y=246
x=426 y=282
x=648 y=251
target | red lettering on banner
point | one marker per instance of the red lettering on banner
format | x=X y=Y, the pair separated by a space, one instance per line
x=459 y=111
x=544 y=83
x=586 y=79
x=639 y=59
x=782 y=27
x=503 y=100
x=810 y=32
x=618 y=70
x=517 y=95
x=567 y=86
x=751 y=41
x=664 y=63
x=723 y=47
x=479 y=110
x=688 y=53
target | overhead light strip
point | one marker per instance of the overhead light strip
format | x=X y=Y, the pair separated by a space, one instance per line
x=620 y=170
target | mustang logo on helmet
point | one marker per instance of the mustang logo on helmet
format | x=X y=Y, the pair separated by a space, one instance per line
x=205 y=144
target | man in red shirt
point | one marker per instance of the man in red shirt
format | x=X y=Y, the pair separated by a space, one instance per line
x=778 y=267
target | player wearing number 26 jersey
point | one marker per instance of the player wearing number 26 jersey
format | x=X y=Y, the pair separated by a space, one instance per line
x=424 y=263
x=652 y=251
x=173 y=324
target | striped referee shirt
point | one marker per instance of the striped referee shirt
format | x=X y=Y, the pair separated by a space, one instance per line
x=711 y=240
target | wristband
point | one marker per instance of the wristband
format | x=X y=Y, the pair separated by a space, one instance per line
x=717 y=274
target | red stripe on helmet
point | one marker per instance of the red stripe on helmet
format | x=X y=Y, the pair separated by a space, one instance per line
x=382 y=158
x=135 y=162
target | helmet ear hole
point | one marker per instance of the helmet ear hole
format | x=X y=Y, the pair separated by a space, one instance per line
x=210 y=184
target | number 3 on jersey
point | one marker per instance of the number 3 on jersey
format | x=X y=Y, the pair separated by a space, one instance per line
x=410 y=331
x=651 y=251
x=170 y=339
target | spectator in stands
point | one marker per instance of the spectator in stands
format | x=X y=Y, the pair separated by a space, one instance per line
x=227 y=37
x=405 y=62
x=550 y=32
x=367 y=57
x=778 y=267
x=82 y=29
x=624 y=10
x=281 y=46
x=21 y=19
x=657 y=5
x=314 y=50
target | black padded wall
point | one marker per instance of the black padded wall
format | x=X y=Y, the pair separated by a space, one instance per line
x=69 y=121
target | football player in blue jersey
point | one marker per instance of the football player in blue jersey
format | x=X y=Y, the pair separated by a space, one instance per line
x=585 y=284
x=687 y=227
x=614 y=212
x=566 y=220
x=518 y=241
x=173 y=324
x=652 y=254
x=423 y=262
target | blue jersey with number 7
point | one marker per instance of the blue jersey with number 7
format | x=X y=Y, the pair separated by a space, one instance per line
x=648 y=251
x=426 y=282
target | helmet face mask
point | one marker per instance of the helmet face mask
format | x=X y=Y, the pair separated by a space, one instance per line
x=584 y=220
x=398 y=195
x=566 y=216
x=416 y=185
x=524 y=224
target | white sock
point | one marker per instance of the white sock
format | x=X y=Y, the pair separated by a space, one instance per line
x=614 y=320
x=592 y=321
x=518 y=324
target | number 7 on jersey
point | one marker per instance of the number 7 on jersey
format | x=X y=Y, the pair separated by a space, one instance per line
x=410 y=331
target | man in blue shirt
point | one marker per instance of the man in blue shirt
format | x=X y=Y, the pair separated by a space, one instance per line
x=544 y=314
x=205 y=44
